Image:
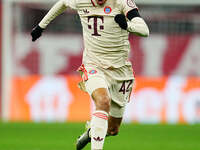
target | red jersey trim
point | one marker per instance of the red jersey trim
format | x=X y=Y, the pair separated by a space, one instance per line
x=93 y=3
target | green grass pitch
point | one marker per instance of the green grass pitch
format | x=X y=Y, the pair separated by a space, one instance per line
x=62 y=136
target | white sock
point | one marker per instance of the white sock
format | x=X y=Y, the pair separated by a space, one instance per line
x=99 y=127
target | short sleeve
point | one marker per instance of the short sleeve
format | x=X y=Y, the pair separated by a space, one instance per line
x=127 y=5
x=70 y=3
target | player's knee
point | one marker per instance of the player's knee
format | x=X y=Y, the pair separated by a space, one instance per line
x=101 y=99
x=103 y=103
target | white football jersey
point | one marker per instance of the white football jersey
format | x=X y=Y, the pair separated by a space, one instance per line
x=106 y=44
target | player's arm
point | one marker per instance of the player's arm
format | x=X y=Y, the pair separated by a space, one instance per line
x=135 y=23
x=56 y=10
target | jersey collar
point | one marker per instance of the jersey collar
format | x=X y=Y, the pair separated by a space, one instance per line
x=94 y=3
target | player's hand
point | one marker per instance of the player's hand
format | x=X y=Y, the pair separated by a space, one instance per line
x=36 y=33
x=121 y=20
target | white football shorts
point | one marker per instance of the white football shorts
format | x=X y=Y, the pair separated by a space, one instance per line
x=118 y=82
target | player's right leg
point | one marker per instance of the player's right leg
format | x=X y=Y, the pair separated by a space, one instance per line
x=99 y=121
x=96 y=86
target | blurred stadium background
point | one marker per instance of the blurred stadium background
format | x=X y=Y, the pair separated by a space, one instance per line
x=39 y=80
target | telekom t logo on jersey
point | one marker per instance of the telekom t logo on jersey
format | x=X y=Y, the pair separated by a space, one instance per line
x=95 y=25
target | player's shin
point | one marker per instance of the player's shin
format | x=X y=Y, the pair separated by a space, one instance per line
x=99 y=126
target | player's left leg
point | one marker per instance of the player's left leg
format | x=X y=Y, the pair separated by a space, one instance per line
x=115 y=118
x=113 y=126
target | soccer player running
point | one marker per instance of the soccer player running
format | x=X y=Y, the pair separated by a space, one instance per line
x=107 y=74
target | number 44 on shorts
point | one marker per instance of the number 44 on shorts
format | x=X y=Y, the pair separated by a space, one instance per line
x=126 y=86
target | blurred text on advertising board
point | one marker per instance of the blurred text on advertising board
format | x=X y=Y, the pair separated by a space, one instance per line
x=57 y=98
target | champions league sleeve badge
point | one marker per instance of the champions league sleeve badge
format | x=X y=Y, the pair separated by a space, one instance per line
x=131 y=3
x=107 y=10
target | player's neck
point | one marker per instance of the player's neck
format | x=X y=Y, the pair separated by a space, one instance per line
x=100 y=2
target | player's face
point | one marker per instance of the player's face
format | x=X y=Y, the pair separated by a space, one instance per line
x=101 y=2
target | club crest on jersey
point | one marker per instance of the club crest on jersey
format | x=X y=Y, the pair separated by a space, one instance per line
x=131 y=3
x=92 y=71
x=107 y=10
